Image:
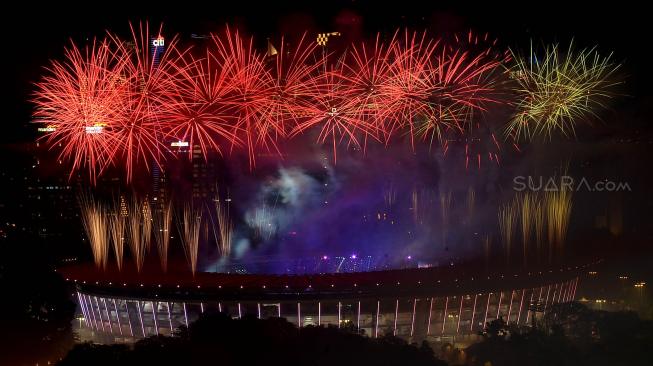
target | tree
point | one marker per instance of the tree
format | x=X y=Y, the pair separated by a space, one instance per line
x=248 y=341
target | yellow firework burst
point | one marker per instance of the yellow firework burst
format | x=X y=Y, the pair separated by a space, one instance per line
x=558 y=88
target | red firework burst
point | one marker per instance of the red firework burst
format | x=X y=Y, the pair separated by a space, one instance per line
x=368 y=77
x=82 y=100
x=119 y=101
x=411 y=84
x=152 y=73
x=477 y=76
x=296 y=74
x=336 y=116
x=196 y=111
x=251 y=87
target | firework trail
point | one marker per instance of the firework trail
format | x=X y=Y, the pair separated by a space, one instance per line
x=263 y=223
x=471 y=203
x=445 y=208
x=117 y=230
x=189 y=227
x=487 y=243
x=135 y=223
x=415 y=205
x=162 y=226
x=507 y=223
x=225 y=226
x=556 y=90
x=390 y=196
x=527 y=205
x=94 y=219
x=558 y=211
x=146 y=212
x=539 y=222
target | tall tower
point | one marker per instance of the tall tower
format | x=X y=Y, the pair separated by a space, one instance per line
x=159 y=197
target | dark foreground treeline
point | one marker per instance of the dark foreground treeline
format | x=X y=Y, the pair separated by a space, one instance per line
x=217 y=339
x=569 y=334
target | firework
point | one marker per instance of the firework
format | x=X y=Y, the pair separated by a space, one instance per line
x=445 y=207
x=487 y=243
x=262 y=222
x=368 y=77
x=117 y=230
x=471 y=203
x=411 y=84
x=483 y=85
x=507 y=223
x=152 y=72
x=196 y=111
x=94 y=219
x=463 y=84
x=225 y=226
x=296 y=77
x=136 y=233
x=415 y=205
x=526 y=204
x=146 y=213
x=335 y=116
x=250 y=89
x=83 y=97
x=555 y=90
x=189 y=226
x=539 y=221
x=120 y=103
x=558 y=210
x=162 y=224
x=390 y=195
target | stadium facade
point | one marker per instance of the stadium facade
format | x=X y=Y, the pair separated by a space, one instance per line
x=414 y=304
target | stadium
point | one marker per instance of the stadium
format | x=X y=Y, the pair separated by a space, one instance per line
x=434 y=304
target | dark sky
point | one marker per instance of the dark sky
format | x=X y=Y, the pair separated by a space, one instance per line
x=34 y=33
